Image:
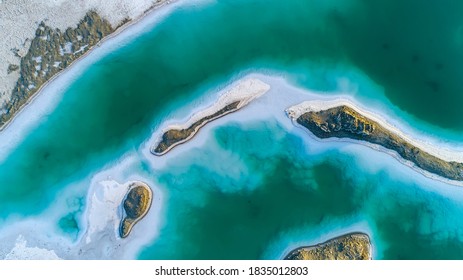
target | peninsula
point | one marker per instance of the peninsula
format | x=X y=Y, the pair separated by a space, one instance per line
x=237 y=97
x=354 y=246
x=135 y=206
x=343 y=120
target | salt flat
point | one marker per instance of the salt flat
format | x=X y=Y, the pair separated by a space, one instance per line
x=20 y=19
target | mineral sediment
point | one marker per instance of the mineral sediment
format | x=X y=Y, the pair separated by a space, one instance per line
x=355 y=246
x=345 y=122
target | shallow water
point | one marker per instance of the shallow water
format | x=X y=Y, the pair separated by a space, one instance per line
x=410 y=67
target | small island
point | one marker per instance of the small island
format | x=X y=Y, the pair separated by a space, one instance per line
x=136 y=204
x=236 y=98
x=174 y=137
x=354 y=246
x=343 y=121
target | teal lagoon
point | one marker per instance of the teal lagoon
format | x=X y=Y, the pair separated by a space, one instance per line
x=252 y=187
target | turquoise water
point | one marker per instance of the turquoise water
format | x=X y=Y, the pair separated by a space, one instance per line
x=286 y=192
x=412 y=63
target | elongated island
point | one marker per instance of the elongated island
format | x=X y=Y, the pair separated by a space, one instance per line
x=237 y=97
x=174 y=137
x=339 y=119
x=353 y=246
x=136 y=205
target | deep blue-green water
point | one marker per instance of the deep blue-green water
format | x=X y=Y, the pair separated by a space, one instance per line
x=252 y=189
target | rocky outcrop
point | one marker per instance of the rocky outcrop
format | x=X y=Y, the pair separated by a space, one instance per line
x=12 y=68
x=354 y=246
x=345 y=122
x=51 y=51
x=174 y=137
x=135 y=205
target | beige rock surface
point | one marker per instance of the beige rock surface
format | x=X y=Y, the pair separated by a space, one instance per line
x=354 y=246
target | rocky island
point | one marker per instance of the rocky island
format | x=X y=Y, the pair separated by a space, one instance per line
x=236 y=98
x=354 y=246
x=135 y=206
x=343 y=121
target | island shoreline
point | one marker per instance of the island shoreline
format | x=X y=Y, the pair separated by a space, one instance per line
x=296 y=111
x=119 y=29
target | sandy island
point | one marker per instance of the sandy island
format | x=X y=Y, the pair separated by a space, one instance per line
x=241 y=93
x=341 y=118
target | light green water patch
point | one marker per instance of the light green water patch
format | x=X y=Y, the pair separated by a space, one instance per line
x=70 y=222
x=69 y=225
